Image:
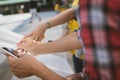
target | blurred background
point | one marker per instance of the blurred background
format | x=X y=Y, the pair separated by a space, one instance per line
x=15 y=20
x=22 y=6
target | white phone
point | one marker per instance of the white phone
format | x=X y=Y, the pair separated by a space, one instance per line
x=8 y=51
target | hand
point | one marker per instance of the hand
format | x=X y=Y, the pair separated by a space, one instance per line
x=75 y=76
x=29 y=45
x=24 y=66
x=38 y=33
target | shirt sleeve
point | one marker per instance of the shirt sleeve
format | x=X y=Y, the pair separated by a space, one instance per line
x=76 y=12
x=75 y=9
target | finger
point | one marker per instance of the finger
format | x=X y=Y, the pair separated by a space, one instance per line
x=40 y=38
x=33 y=37
x=43 y=36
x=22 y=41
x=36 y=39
x=19 y=50
x=13 y=61
x=34 y=42
x=16 y=53
x=68 y=78
x=21 y=54
x=25 y=37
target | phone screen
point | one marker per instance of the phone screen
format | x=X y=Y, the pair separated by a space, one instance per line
x=8 y=51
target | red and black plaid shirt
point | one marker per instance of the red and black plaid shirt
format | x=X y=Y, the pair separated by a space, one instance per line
x=100 y=33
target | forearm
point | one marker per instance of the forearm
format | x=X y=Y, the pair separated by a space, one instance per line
x=66 y=43
x=45 y=73
x=62 y=17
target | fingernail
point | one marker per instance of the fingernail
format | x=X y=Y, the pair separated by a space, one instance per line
x=20 y=54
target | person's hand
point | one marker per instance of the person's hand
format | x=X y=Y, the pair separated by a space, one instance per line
x=75 y=76
x=29 y=45
x=24 y=66
x=38 y=33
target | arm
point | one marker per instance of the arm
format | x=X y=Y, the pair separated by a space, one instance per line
x=45 y=73
x=63 y=17
x=38 y=32
x=66 y=43
x=23 y=67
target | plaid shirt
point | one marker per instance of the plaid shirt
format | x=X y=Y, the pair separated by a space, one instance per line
x=100 y=34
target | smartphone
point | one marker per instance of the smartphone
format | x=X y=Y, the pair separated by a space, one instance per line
x=8 y=51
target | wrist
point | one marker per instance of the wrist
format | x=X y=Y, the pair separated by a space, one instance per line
x=47 y=23
x=42 y=26
x=38 y=68
x=41 y=48
x=36 y=49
